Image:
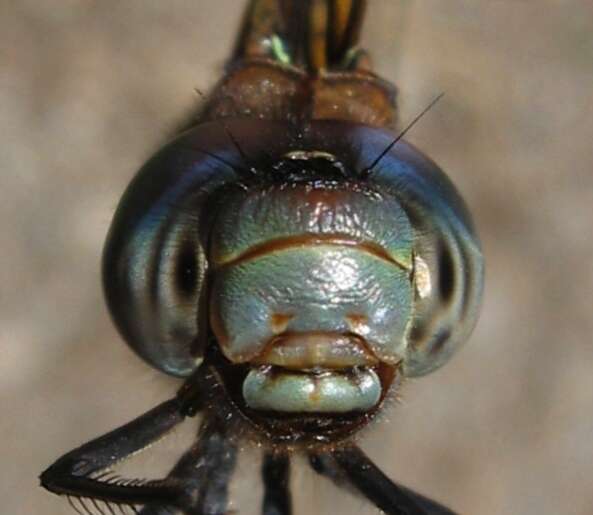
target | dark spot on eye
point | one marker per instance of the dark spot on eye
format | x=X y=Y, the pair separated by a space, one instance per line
x=440 y=340
x=446 y=273
x=186 y=270
x=418 y=335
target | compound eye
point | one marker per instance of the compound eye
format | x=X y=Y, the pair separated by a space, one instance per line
x=174 y=292
x=154 y=262
x=154 y=286
x=448 y=283
x=448 y=263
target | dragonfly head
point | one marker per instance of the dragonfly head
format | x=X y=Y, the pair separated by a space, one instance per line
x=319 y=282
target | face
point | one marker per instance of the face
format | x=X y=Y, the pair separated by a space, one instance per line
x=308 y=283
x=310 y=289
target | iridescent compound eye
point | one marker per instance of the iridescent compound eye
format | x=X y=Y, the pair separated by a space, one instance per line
x=316 y=279
x=448 y=263
x=154 y=262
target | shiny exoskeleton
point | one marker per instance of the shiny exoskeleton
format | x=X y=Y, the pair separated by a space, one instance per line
x=293 y=259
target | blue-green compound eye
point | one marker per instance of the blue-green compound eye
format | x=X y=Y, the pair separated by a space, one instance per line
x=312 y=275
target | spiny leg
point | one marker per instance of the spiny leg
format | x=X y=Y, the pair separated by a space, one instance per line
x=80 y=473
x=352 y=464
x=185 y=467
x=205 y=470
x=276 y=477
x=72 y=473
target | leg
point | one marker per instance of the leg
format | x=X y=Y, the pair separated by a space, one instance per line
x=218 y=451
x=205 y=470
x=352 y=464
x=76 y=473
x=325 y=465
x=72 y=473
x=276 y=476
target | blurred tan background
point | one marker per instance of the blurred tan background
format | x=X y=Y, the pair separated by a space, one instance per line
x=89 y=89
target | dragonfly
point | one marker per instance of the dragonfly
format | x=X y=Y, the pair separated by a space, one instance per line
x=291 y=258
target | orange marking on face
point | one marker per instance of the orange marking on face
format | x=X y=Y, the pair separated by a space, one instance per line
x=279 y=322
x=356 y=321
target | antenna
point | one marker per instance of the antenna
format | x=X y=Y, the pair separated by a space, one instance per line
x=369 y=169
x=244 y=157
x=232 y=166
